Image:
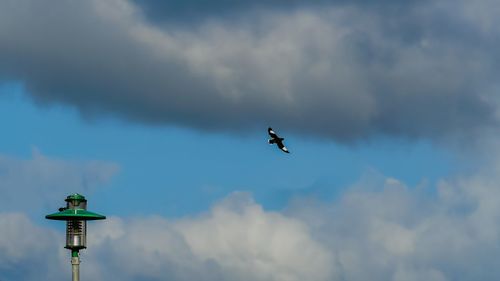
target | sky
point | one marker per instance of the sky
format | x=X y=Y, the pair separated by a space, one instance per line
x=157 y=112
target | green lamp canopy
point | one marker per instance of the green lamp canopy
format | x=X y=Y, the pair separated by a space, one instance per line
x=75 y=210
x=78 y=214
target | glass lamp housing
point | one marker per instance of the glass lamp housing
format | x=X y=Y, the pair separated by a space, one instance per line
x=76 y=234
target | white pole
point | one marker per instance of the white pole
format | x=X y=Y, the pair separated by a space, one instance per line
x=75 y=265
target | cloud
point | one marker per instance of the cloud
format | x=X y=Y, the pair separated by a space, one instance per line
x=236 y=240
x=398 y=233
x=186 y=12
x=29 y=252
x=29 y=184
x=380 y=229
x=342 y=72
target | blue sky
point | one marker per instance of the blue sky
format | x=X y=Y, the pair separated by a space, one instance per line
x=178 y=172
x=157 y=111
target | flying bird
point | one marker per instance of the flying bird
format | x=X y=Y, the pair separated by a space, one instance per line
x=275 y=139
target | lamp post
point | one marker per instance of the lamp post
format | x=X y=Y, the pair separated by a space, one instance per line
x=76 y=216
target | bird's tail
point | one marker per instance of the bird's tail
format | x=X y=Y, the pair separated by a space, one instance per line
x=271 y=141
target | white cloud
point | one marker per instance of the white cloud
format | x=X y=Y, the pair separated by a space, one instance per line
x=391 y=232
x=29 y=252
x=236 y=240
x=380 y=229
x=40 y=181
x=386 y=231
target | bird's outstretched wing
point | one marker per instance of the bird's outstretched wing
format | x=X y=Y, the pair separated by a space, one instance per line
x=282 y=146
x=272 y=133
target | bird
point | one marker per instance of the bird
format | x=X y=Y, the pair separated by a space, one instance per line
x=275 y=139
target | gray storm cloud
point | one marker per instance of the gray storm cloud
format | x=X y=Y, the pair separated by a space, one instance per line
x=343 y=72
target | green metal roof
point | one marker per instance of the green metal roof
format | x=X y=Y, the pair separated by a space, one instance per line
x=77 y=214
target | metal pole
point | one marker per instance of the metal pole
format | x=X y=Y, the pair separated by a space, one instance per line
x=75 y=265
